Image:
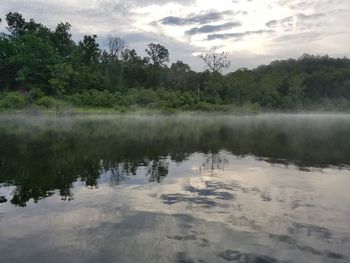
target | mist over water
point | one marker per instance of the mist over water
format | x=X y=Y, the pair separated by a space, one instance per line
x=137 y=188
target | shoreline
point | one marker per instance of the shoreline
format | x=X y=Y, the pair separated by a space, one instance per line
x=150 y=112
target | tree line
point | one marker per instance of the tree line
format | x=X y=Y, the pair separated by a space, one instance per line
x=43 y=67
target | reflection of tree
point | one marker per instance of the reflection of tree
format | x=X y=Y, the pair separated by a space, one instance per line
x=22 y=194
x=66 y=194
x=91 y=173
x=213 y=162
x=157 y=170
x=65 y=184
x=118 y=175
x=120 y=171
x=40 y=159
x=130 y=168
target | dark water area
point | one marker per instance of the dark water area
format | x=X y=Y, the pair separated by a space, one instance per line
x=265 y=188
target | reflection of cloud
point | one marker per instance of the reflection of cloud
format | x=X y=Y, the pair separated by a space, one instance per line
x=171 y=199
x=234 y=255
x=190 y=217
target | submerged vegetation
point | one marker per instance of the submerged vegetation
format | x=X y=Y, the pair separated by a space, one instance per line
x=44 y=68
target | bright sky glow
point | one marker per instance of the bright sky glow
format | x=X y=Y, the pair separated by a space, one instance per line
x=252 y=31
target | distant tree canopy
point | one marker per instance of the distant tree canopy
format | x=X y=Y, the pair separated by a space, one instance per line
x=46 y=64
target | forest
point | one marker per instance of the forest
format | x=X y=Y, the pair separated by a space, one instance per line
x=41 y=68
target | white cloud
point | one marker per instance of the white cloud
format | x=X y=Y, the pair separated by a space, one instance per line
x=290 y=27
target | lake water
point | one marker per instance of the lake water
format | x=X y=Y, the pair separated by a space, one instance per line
x=265 y=188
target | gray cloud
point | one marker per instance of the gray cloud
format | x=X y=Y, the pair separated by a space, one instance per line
x=310 y=4
x=285 y=22
x=127 y=4
x=299 y=37
x=301 y=20
x=238 y=36
x=212 y=28
x=178 y=50
x=308 y=22
x=195 y=19
x=304 y=37
x=304 y=17
x=272 y=23
x=312 y=26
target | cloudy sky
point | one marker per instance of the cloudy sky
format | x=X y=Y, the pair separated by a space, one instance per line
x=254 y=32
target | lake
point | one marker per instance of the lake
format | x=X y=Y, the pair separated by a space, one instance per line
x=148 y=188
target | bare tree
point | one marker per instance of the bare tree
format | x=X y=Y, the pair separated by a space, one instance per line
x=216 y=61
x=115 y=45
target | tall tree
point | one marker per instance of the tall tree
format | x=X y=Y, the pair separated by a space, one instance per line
x=157 y=54
x=134 y=69
x=62 y=39
x=7 y=68
x=34 y=58
x=15 y=23
x=89 y=50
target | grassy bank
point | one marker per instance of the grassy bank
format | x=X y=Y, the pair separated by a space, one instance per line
x=102 y=102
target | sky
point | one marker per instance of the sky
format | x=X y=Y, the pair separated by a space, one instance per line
x=253 y=32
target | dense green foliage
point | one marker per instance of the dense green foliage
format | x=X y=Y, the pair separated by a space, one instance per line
x=42 y=66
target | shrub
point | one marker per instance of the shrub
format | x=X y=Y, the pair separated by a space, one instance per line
x=93 y=98
x=13 y=100
x=145 y=97
x=36 y=93
x=251 y=107
x=46 y=102
x=204 y=106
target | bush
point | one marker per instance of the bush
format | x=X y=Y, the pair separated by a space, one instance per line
x=93 y=98
x=46 y=102
x=13 y=100
x=145 y=97
x=329 y=105
x=36 y=93
x=250 y=107
x=204 y=106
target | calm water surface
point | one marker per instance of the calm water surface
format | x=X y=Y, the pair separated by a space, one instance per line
x=267 y=188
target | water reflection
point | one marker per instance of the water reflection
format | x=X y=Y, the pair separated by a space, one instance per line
x=40 y=156
x=161 y=189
